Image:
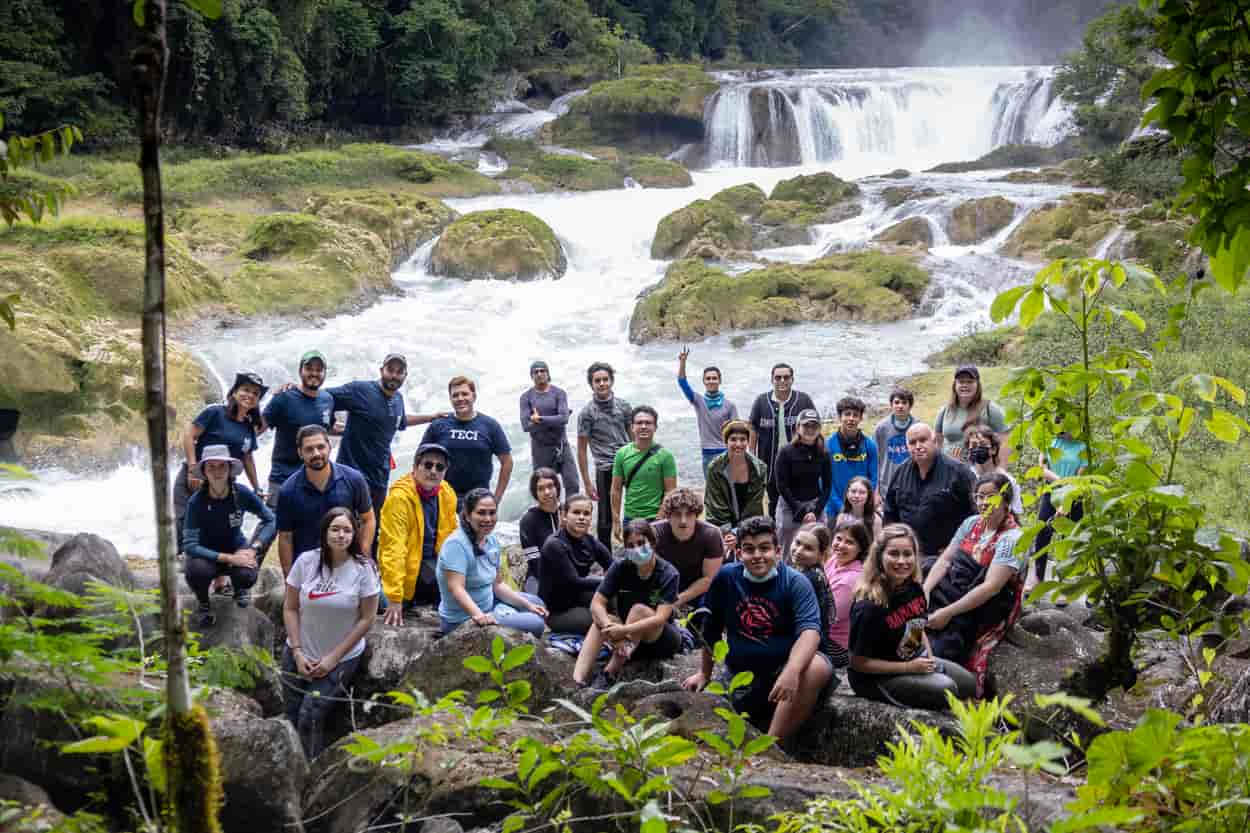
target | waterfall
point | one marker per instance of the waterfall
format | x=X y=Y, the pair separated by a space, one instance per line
x=820 y=116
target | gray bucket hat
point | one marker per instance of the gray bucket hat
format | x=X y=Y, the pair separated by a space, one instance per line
x=217 y=453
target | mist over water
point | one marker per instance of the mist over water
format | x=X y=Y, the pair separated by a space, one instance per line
x=491 y=330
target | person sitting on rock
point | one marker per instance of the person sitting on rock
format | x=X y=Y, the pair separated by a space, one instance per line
x=565 y=584
x=811 y=547
x=631 y=610
x=891 y=659
x=769 y=615
x=694 y=547
x=539 y=522
x=419 y=515
x=470 y=583
x=213 y=531
x=331 y=601
x=975 y=588
x=850 y=546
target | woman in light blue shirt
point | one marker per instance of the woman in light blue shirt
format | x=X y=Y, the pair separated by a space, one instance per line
x=470 y=584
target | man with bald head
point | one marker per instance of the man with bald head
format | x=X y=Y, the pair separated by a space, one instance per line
x=930 y=492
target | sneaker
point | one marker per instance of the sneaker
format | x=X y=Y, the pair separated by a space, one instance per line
x=243 y=598
x=204 y=617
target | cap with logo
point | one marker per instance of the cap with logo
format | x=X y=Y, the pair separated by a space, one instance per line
x=310 y=356
x=808 y=415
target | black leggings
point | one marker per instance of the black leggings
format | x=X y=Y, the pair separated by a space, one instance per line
x=200 y=573
x=1046 y=512
x=603 y=483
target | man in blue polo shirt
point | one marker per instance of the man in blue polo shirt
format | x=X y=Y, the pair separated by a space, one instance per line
x=292 y=409
x=375 y=411
x=315 y=489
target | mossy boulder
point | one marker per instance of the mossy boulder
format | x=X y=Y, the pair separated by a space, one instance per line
x=896 y=195
x=977 y=220
x=655 y=172
x=822 y=189
x=503 y=243
x=73 y=364
x=914 y=231
x=1071 y=228
x=1159 y=245
x=654 y=109
x=696 y=300
x=705 y=228
x=746 y=200
x=403 y=221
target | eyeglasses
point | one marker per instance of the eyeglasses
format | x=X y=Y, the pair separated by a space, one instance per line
x=431 y=465
x=780 y=377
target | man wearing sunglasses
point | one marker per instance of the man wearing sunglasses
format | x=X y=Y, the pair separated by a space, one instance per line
x=419 y=514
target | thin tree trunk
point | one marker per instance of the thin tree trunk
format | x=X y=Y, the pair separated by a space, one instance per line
x=193 y=785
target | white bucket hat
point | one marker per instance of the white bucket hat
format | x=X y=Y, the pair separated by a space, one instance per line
x=220 y=453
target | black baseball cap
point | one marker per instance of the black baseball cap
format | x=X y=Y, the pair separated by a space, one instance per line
x=395 y=357
x=808 y=415
x=968 y=370
x=431 y=448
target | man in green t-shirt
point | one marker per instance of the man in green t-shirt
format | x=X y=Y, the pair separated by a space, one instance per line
x=643 y=472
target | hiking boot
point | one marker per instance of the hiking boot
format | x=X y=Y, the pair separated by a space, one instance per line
x=243 y=598
x=204 y=617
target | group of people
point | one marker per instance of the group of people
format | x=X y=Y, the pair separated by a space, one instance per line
x=892 y=555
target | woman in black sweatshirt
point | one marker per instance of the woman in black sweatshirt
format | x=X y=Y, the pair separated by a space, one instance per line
x=804 y=480
x=564 y=580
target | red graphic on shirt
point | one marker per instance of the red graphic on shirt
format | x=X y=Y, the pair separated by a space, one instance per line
x=315 y=595
x=757 y=618
x=912 y=609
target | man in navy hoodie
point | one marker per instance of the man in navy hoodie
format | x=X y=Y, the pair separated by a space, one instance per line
x=769 y=615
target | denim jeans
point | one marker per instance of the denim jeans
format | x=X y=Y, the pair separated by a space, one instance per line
x=507 y=616
x=308 y=702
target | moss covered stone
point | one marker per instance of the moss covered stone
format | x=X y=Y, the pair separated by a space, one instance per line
x=655 y=172
x=696 y=300
x=822 y=189
x=705 y=228
x=746 y=200
x=896 y=195
x=914 y=231
x=1159 y=245
x=403 y=221
x=976 y=220
x=1072 y=228
x=503 y=243
x=654 y=108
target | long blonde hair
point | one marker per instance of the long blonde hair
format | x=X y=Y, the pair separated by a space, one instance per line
x=872 y=580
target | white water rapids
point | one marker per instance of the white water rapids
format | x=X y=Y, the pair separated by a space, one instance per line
x=492 y=330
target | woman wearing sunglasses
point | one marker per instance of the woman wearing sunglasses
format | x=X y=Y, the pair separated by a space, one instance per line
x=418 y=516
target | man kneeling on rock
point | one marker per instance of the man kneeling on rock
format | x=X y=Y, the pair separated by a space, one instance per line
x=642 y=588
x=771 y=620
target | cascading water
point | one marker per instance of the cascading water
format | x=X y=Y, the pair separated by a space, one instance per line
x=492 y=330
x=816 y=116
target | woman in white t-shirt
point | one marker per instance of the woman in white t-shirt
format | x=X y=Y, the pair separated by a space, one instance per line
x=331 y=601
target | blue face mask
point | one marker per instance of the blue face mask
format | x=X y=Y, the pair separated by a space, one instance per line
x=638 y=555
x=769 y=576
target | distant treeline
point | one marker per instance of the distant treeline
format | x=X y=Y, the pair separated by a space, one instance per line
x=390 y=63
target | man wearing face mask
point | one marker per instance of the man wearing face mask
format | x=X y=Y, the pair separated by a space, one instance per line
x=769 y=615
x=631 y=610
x=418 y=516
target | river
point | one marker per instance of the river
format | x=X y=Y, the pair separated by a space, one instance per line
x=858 y=124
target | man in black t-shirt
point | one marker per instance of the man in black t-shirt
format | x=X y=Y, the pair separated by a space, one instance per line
x=694 y=547
x=642 y=588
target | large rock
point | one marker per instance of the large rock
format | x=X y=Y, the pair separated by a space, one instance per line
x=896 y=195
x=42 y=815
x=745 y=200
x=403 y=221
x=851 y=731
x=914 y=231
x=263 y=769
x=704 y=229
x=977 y=220
x=393 y=660
x=86 y=558
x=503 y=244
x=696 y=300
x=237 y=628
x=348 y=795
x=1071 y=228
x=656 y=172
x=441 y=668
x=822 y=189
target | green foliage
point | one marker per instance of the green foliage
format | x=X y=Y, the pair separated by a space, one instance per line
x=1200 y=99
x=18 y=818
x=933 y=782
x=1104 y=78
x=1145 y=550
x=1144 y=177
